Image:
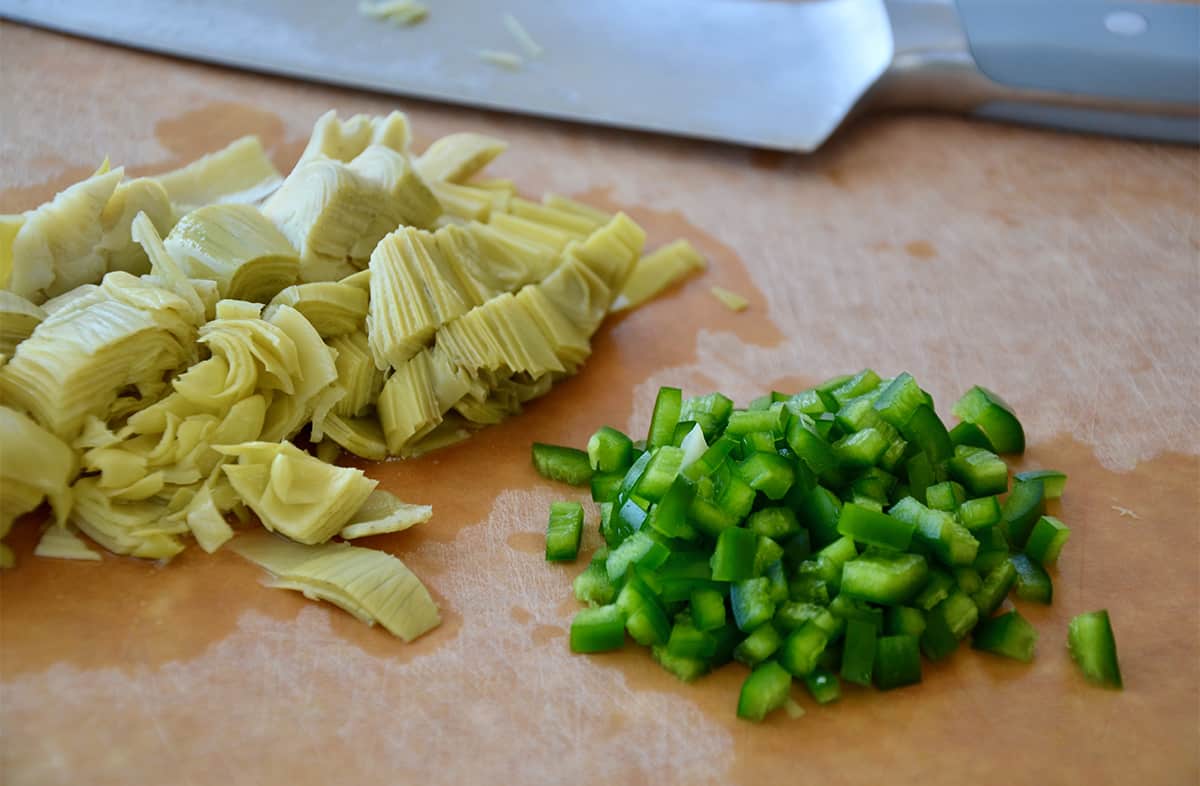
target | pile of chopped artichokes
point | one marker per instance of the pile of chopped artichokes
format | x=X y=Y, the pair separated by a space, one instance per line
x=164 y=340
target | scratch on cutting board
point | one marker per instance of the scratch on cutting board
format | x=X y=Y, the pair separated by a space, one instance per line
x=1125 y=512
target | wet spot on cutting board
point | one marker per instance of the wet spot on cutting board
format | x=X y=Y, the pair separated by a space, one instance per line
x=544 y=634
x=222 y=123
x=520 y=615
x=920 y=249
x=527 y=542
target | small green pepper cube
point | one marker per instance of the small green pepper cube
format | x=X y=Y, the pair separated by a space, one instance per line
x=764 y=691
x=733 y=557
x=1046 y=541
x=1092 y=645
x=1009 y=635
x=897 y=662
x=598 y=630
x=563 y=531
x=992 y=414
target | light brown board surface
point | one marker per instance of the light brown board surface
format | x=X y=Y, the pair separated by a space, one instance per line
x=1062 y=271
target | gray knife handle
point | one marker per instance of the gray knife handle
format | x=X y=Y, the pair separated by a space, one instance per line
x=1131 y=69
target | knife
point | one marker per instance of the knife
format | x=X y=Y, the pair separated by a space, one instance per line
x=768 y=73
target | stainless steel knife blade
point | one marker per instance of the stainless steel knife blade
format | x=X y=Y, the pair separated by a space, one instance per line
x=770 y=73
x=780 y=74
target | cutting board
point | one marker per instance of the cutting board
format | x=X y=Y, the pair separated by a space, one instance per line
x=1059 y=270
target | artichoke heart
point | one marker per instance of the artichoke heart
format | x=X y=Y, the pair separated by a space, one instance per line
x=356 y=373
x=206 y=521
x=117 y=246
x=55 y=249
x=315 y=374
x=237 y=247
x=293 y=493
x=508 y=260
x=131 y=528
x=124 y=334
x=612 y=250
x=408 y=405
x=570 y=338
x=34 y=465
x=61 y=542
x=579 y=225
x=240 y=173
x=467 y=203
x=371 y=585
x=568 y=205
x=334 y=308
x=533 y=231
x=18 y=319
x=501 y=337
x=361 y=436
x=655 y=272
x=410 y=201
x=456 y=157
x=324 y=209
x=414 y=291
x=343 y=140
x=384 y=512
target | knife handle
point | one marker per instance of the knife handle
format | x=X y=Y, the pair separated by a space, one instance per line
x=1131 y=69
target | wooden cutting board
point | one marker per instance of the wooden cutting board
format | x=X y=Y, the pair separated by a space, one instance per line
x=1060 y=270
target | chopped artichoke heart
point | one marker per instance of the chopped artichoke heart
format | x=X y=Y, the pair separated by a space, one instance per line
x=508 y=259
x=356 y=373
x=333 y=308
x=324 y=208
x=473 y=276
x=18 y=319
x=378 y=583
x=730 y=299
x=206 y=523
x=141 y=195
x=577 y=225
x=502 y=184
x=568 y=205
x=468 y=203
x=10 y=225
x=612 y=250
x=402 y=12
x=657 y=271
x=384 y=512
x=55 y=248
x=361 y=436
x=456 y=157
x=413 y=293
x=256 y=352
x=343 y=140
x=124 y=334
x=580 y=294
x=498 y=57
x=34 y=464
x=122 y=527
x=534 y=231
x=294 y=493
x=316 y=371
x=369 y=584
x=237 y=247
x=570 y=342
x=410 y=202
x=60 y=542
x=166 y=271
x=408 y=405
x=240 y=173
